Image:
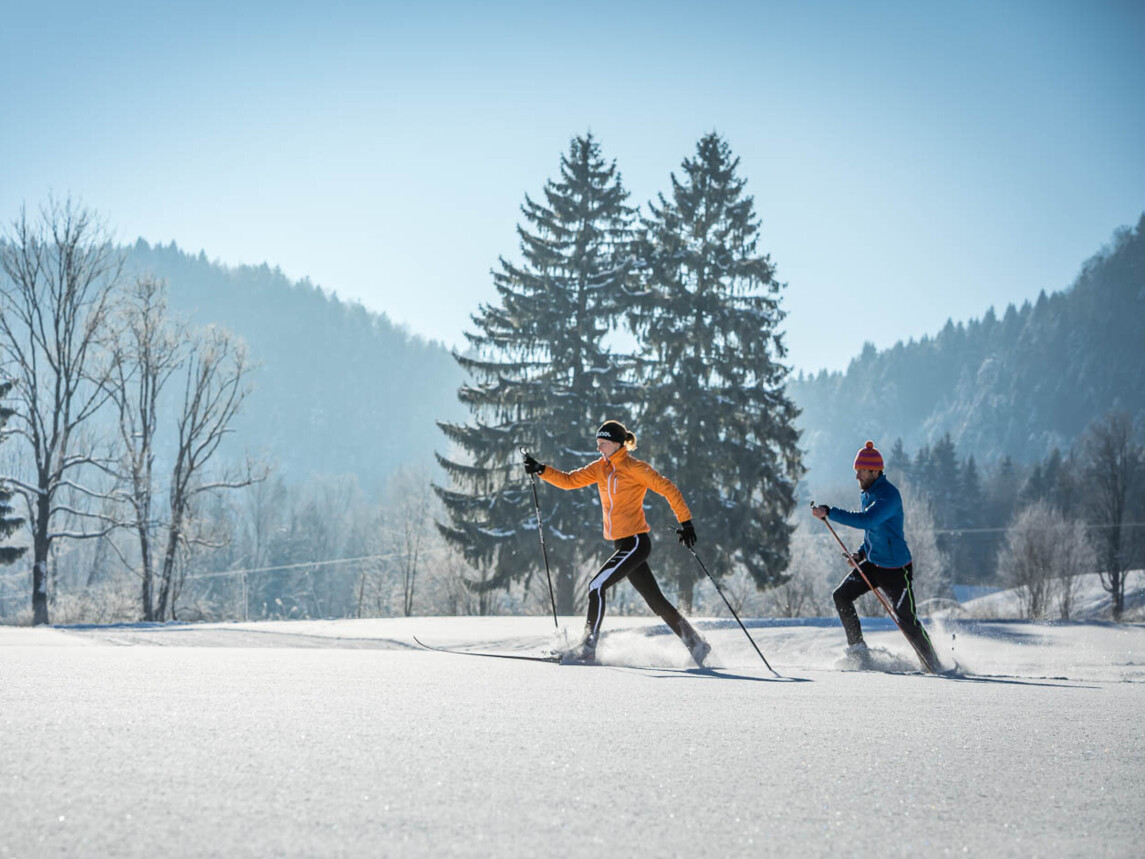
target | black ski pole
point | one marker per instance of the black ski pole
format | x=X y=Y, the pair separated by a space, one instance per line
x=541 y=533
x=720 y=591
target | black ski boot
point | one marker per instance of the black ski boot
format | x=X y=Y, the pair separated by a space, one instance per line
x=695 y=643
x=583 y=654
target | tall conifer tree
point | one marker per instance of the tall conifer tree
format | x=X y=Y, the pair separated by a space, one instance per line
x=542 y=376
x=715 y=414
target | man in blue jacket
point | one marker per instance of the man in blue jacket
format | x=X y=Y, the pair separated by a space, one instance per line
x=884 y=557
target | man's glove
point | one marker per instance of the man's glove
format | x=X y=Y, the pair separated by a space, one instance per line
x=687 y=534
x=532 y=466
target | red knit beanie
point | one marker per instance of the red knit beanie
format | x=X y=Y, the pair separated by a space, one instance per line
x=869 y=458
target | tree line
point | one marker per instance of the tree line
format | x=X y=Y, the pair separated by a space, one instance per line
x=1034 y=526
x=118 y=417
x=80 y=346
x=1015 y=383
x=124 y=486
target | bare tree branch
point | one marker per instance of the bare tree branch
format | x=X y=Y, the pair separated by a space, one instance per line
x=62 y=278
x=83 y=535
x=215 y=386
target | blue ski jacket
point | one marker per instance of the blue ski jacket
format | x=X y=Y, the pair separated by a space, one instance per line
x=882 y=521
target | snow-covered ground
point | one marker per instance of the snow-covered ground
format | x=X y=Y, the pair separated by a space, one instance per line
x=343 y=738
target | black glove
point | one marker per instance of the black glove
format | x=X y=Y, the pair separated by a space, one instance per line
x=687 y=534
x=532 y=466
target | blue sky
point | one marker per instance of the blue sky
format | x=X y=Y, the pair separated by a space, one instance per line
x=910 y=162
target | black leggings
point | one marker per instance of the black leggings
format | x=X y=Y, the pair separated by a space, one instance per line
x=896 y=584
x=630 y=560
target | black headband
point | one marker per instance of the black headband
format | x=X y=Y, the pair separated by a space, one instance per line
x=612 y=431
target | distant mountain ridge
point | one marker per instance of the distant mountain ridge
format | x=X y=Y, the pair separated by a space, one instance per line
x=339 y=389
x=342 y=389
x=1015 y=386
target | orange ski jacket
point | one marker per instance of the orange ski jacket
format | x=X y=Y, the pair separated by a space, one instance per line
x=622 y=481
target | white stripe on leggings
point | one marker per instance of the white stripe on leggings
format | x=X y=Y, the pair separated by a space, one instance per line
x=597 y=584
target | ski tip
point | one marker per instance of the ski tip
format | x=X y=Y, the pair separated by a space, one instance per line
x=460 y=652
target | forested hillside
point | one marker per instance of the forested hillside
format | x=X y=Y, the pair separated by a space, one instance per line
x=1018 y=385
x=339 y=389
x=342 y=389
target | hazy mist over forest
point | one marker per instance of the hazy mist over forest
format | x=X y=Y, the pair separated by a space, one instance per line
x=340 y=389
x=337 y=389
x=1016 y=382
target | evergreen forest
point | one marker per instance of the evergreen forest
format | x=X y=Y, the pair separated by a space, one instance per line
x=1016 y=384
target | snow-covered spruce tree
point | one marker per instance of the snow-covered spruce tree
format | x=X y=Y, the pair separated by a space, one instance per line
x=542 y=376
x=714 y=412
x=9 y=524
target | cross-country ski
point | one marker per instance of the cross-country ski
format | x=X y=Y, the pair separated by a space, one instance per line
x=457 y=651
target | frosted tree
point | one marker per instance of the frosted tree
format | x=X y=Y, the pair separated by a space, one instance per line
x=62 y=275
x=1114 y=461
x=1042 y=557
x=930 y=563
x=815 y=569
x=410 y=504
x=215 y=380
x=714 y=411
x=541 y=375
x=145 y=351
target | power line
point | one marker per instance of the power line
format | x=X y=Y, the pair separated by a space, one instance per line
x=1085 y=525
x=294 y=566
x=248 y=570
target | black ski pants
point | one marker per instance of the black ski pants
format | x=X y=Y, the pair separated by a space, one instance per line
x=630 y=560
x=896 y=584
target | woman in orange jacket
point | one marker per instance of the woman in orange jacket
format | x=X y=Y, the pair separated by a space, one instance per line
x=623 y=480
